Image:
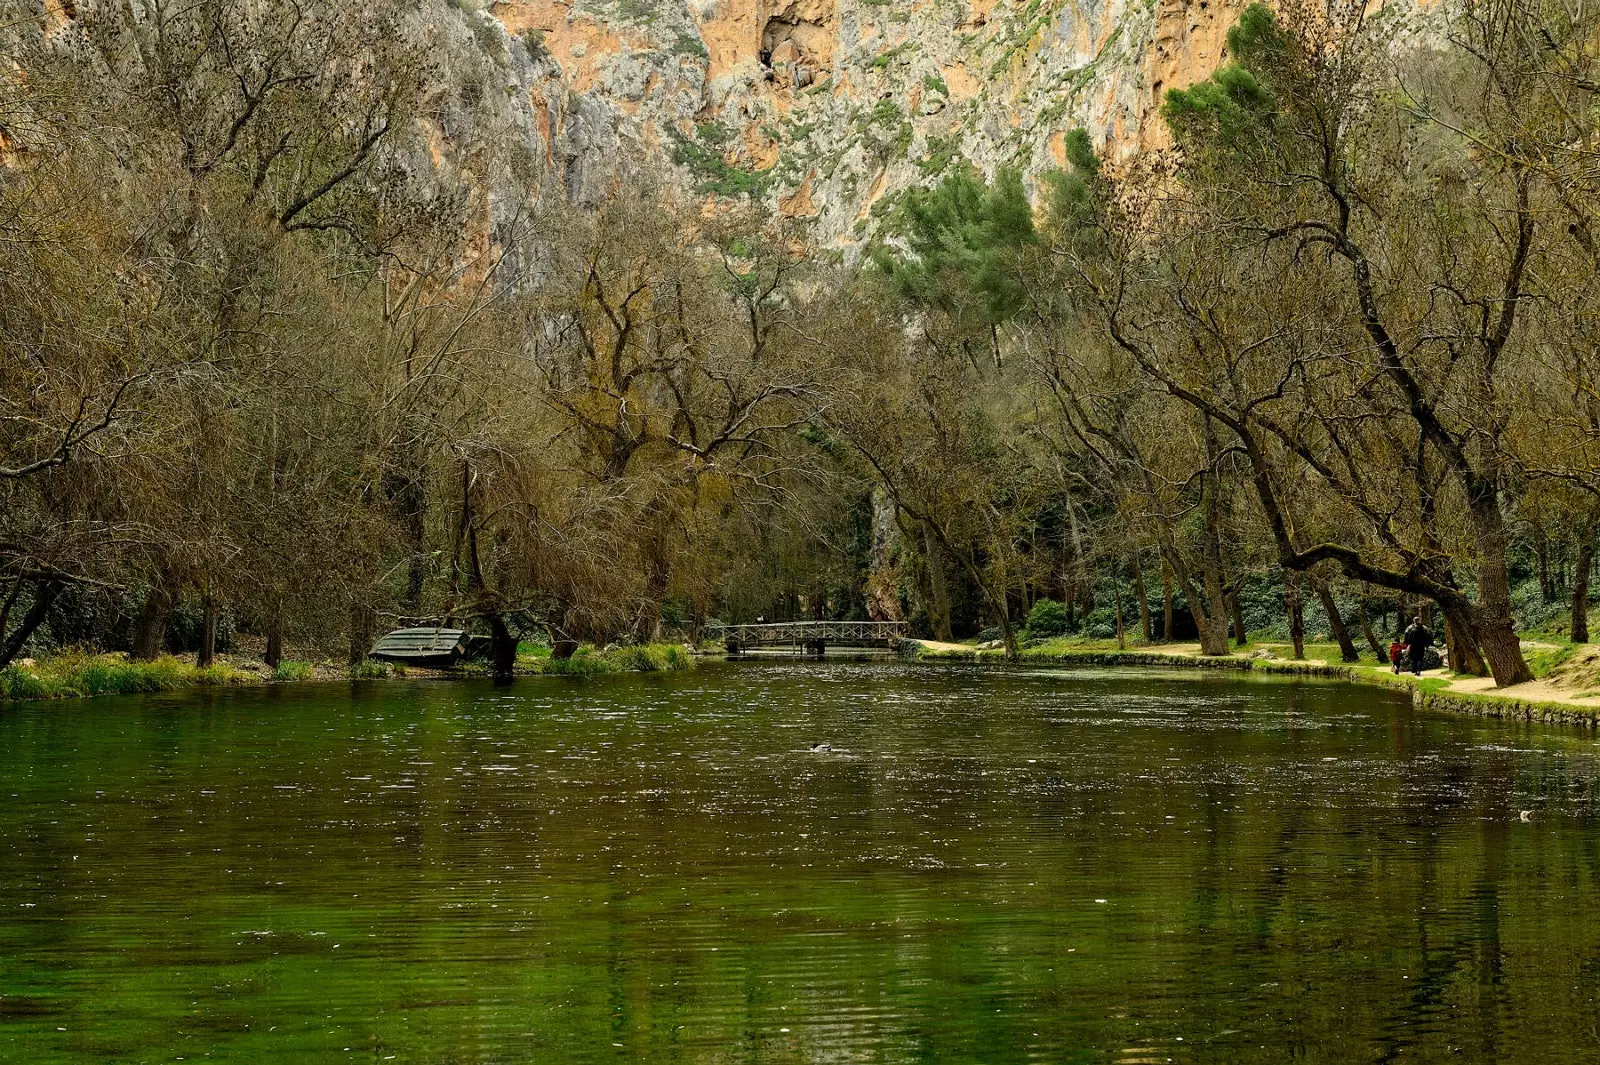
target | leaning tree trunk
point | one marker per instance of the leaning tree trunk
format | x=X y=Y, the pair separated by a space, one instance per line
x=1368 y=634
x=44 y=594
x=1580 y=586
x=1502 y=650
x=1461 y=642
x=1347 y=646
x=1000 y=600
x=1008 y=632
x=1297 y=614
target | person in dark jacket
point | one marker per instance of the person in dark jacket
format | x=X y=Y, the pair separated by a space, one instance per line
x=1418 y=639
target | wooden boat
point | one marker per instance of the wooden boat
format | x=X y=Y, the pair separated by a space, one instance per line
x=430 y=648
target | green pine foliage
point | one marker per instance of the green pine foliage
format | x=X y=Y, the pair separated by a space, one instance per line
x=1072 y=196
x=961 y=239
x=1237 y=106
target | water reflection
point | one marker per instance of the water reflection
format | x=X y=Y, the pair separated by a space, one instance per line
x=792 y=862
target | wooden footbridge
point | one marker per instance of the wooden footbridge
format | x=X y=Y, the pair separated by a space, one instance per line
x=811 y=637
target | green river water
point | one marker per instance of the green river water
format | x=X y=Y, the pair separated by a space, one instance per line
x=983 y=865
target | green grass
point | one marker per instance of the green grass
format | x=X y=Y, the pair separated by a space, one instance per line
x=648 y=658
x=74 y=675
x=370 y=670
x=288 y=671
x=1544 y=660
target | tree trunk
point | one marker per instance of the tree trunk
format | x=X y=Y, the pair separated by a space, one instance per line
x=44 y=594
x=1000 y=599
x=1212 y=619
x=1213 y=633
x=1493 y=626
x=1075 y=582
x=1214 y=629
x=274 y=655
x=11 y=601
x=1541 y=552
x=502 y=646
x=1580 y=586
x=207 y=656
x=1457 y=642
x=883 y=577
x=1144 y=597
x=562 y=649
x=1297 y=614
x=1366 y=631
x=1122 y=634
x=1461 y=643
x=150 y=626
x=938 y=587
x=1347 y=646
x=1503 y=652
x=1166 y=602
x=1008 y=634
x=1240 y=637
x=362 y=622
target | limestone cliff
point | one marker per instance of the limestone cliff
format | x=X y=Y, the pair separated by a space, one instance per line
x=827 y=109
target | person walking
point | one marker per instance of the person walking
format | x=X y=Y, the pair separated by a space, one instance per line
x=1418 y=639
x=1397 y=651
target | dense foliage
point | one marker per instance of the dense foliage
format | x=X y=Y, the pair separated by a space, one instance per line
x=272 y=359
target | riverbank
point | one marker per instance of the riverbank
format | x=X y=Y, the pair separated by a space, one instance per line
x=76 y=675
x=1566 y=690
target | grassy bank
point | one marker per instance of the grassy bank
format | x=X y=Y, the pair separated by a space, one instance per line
x=74 y=674
x=1566 y=688
x=589 y=661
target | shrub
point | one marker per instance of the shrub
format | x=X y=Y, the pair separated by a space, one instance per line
x=1047 y=618
x=369 y=669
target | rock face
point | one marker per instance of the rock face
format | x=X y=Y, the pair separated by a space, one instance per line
x=830 y=109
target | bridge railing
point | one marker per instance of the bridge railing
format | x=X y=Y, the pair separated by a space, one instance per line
x=802 y=633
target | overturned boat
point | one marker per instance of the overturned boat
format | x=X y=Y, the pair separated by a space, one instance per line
x=430 y=647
